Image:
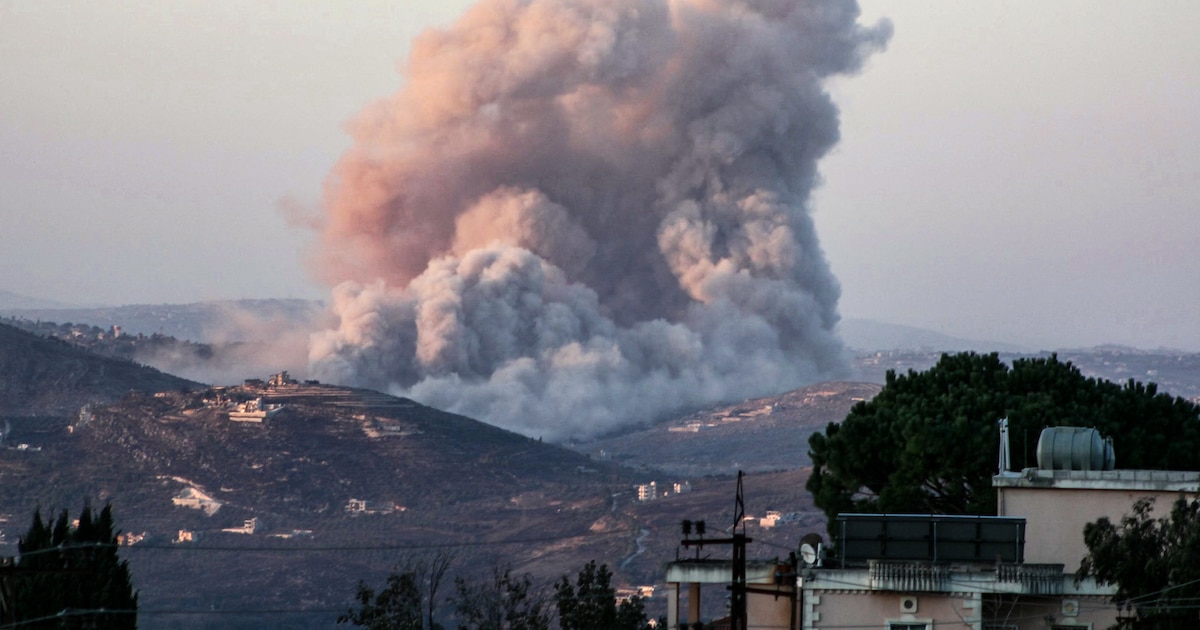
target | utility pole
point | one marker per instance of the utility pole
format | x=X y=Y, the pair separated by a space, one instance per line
x=737 y=584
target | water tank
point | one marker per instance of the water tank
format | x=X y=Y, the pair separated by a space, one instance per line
x=1074 y=448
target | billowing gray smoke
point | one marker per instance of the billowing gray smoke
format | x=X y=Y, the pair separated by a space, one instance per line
x=582 y=213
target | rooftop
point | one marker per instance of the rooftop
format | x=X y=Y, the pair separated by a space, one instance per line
x=1137 y=480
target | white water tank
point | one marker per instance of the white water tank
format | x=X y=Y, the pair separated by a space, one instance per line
x=1074 y=448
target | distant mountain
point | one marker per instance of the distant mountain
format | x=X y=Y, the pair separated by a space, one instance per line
x=220 y=321
x=865 y=335
x=48 y=377
x=12 y=301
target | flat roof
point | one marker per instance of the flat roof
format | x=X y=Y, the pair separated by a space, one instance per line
x=1136 y=480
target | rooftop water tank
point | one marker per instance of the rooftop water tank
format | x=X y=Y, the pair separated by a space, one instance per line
x=1074 y=448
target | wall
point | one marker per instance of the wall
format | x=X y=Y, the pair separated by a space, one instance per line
x=1057 y=508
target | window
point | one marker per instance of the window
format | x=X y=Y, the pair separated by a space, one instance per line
x=907 y=625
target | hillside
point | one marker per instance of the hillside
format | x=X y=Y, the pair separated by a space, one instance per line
x=758 y=435
x=340 y=484
x=49 y=377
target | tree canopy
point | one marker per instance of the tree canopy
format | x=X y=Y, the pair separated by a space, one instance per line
x=71 y=576
x=395 y=607
x=503 y=602
x=590 y=604
x=1155 y=564
x=409 y=598
x=928 y=442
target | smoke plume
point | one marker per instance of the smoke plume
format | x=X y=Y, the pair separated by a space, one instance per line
x=583 y=213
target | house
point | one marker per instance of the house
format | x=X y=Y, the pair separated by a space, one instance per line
x=1013 y=571
x=254 y=411
x=249 y=526
x=196 y=499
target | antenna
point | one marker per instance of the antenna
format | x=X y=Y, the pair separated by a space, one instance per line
x=1005 y=455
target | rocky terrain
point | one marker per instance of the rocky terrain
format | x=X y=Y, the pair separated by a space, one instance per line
x=291 y=511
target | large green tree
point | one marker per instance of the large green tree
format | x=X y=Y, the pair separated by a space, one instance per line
x=590 y=603
x=928 y=442
x=70 y=576
x=1155 y=564
x=397 y=606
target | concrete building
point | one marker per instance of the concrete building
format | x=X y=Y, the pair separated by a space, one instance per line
x=770 y=601
x=1013 y=571
x=255 y=411
x=1074 y=483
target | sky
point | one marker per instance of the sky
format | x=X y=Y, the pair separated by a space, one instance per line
x=1023 y=172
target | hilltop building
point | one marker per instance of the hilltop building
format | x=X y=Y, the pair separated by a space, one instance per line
x=254 y=411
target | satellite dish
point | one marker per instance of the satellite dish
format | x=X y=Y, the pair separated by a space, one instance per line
x=808 y=554
x=811 y=549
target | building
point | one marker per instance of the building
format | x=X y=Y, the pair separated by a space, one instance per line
x=196 y=499
x=1013 y=571
x=254 y=411
x=1032 y=585
x=771 y=602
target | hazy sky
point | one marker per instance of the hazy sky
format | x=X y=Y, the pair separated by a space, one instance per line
x=1018 y=171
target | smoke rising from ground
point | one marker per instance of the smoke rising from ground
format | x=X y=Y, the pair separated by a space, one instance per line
x=583 y=213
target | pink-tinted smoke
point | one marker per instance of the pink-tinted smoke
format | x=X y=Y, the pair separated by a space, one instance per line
x=582 y=213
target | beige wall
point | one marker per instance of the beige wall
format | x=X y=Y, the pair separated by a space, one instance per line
x=1055 y=517
x=1039 y=613
x=765 y=612
x=872 y=609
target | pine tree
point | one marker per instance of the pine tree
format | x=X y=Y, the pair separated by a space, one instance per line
x=71 y=576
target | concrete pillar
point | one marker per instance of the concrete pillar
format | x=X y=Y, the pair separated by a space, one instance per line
x=693 y=602
x=672 y=605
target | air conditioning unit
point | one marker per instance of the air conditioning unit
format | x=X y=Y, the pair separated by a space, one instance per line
x=908 y=604
x=1070 y=607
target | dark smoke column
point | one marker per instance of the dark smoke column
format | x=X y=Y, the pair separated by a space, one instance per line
x=580 y=213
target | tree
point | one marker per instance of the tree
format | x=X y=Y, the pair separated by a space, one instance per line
x=408 y=601
x=928 y=441
x=503 y=602
x=591 y=603
x=70 y=576
x=396 y=607
x=1155 y=564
